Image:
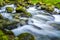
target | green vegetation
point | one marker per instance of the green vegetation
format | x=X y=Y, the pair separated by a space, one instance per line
x=3 y=36
x=1 y=3
x=56 y=3
x=28 y=2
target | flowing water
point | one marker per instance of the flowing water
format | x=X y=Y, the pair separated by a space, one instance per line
x=42 y=25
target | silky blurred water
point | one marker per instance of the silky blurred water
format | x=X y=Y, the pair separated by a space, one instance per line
x=38 y=24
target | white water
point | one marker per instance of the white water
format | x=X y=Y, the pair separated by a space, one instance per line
x=38 y=25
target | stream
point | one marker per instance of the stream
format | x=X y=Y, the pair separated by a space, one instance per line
x=42 y=25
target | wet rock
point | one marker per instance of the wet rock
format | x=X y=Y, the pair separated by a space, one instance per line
x=43 y=7
x=7 y=24
x=28 y=14
x=1 y=17
x=56 y=11
x=26 y=36
x=10 y=35
x=1 y=3
x=16 y=15
x=49 y=8
x=9 y=9
x=23 y=22
x=38 y=4
x=20 y=9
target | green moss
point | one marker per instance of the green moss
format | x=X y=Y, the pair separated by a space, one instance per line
x=1 y=3
x=9 y=9
x=1 y=33
x=7 y=1
x=28 y=14
x=26 y=36
x=50 y=8
x=20 y=9
x=43 y=7
x=6 y=24
x=3 y=36
x=1 y=17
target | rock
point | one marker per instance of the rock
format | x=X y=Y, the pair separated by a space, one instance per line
x=20 y=9
x=23 y=22
x=7 y=24
x=9 y=9
x=28 y=14
x=49 y=8
x=26 y=36
x=1 y=17
x=43 y=7
x=56 y=11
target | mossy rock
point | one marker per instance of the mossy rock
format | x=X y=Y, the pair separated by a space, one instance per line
x=1 y=4
x=43 y=7
x=16 y=15
x=6 y=1
x=6 y=24
x=50 y=8
x=28 y=14
x=6 y=35
x=9 y=9
x=1 y=17
x=20 y=9
x=26 y=36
